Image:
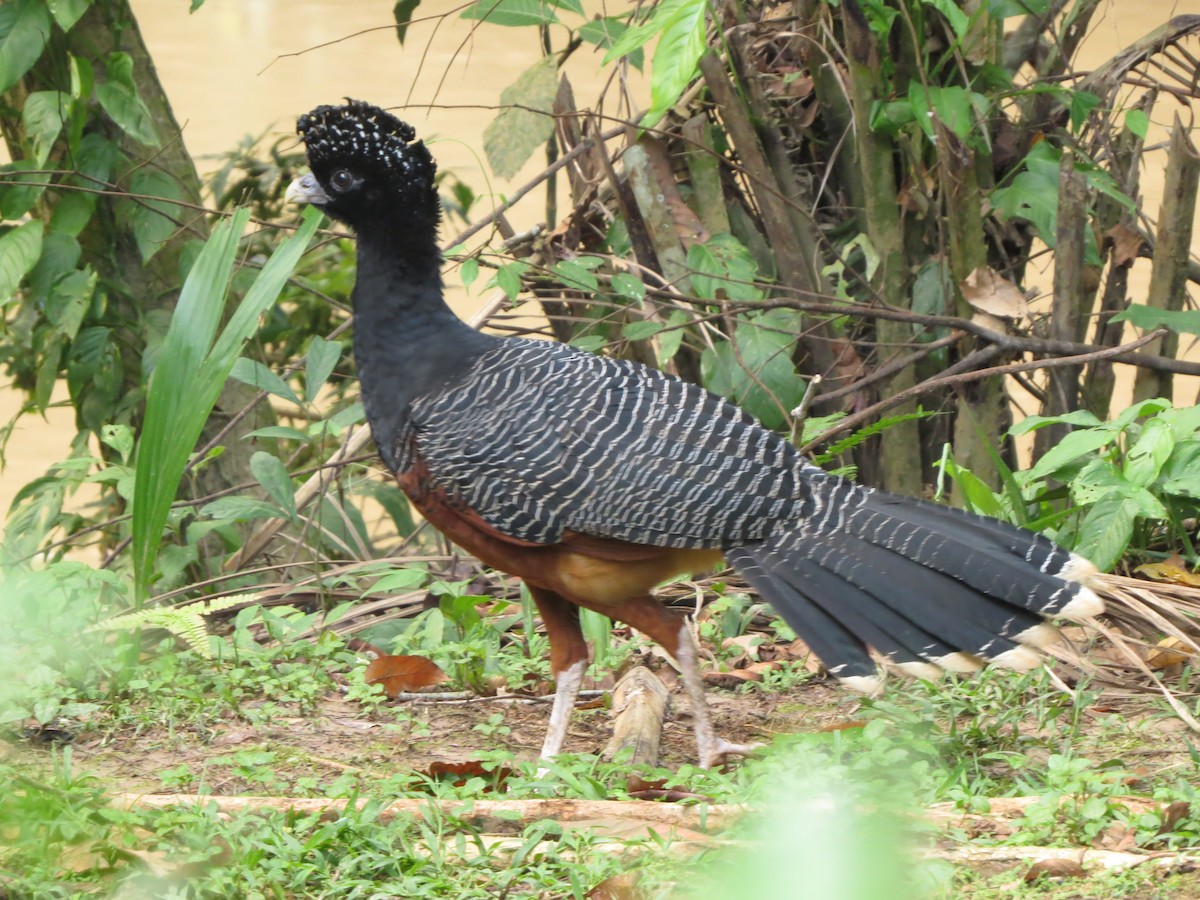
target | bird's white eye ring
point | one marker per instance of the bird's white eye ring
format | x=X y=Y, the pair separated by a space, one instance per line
x=341 y=180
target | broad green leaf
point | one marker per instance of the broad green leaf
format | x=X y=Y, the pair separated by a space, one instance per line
x=24 y=29
x=322 y=356
x=67 y=12
x=1152 y=449
x=513 y=13
x=1082 y=104
x=119 y=97
x=240 y=509
x=1180 y=475
x=1096 y=481
x=590 y=343
x=629 y=286
x=69 y=300
x=1033 y=192
x=1138 y=122
x=19 y=251
x=258 y=376
x=1184 y=422
x=18 y=192
x=763 y=381
x=60 y=255
x=1069 y=449
x=603 y=33
x=271 y=473
x=723 y=268
x=43 y=117
x=469 y=271
x=976 y=494
x=1105 y=531
x=153 y=221
x=526 y=123
x=576 y=277
x=508 y=277
x=1149 y=317
x=952 y=106
x=954 y=16
x=402 y=12
x=72 y=214
x=640 y=330
x=670 y=340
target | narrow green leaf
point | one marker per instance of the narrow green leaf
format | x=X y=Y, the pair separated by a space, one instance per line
x=1150 y=317
x=322 y=356
x=680 y=46
x=271 y=473
x=19 y=251
x=279 y=431
x=526 y=124
x=240 y=509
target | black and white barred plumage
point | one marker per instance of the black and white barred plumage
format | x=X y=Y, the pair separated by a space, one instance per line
x=540 y=439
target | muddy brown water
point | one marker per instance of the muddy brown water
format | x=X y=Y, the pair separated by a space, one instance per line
x=238 y=67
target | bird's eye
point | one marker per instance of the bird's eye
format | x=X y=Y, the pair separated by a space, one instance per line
x=341 y=180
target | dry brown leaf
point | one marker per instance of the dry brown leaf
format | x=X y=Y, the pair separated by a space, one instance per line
x=1171 y=571
x=1127 y=244
x=1172 y=652
x=1172 y=814
x=398 y=674
x=1118 y=836
x=618 y=887
x=731 y=679
x=458 y=773
x=990 y=292
x=1055 y=868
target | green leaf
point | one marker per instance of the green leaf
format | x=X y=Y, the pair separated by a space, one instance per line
x=322 y=356
x=512 y=13
x=19 y=251
x=508 y=277
x=680 y=46
x=1138 y=122
x=18 y=191
x=72 y=214
x=153 y=221
x=252 y=372
x=279 y=431
x=67 y=12
x=641 y=330
x=526 y=124
x=956 y=18
x=722 y=268
x=69 y=300
x=1184 y=422
x=24 y=29
x=629 y=286
x=271 y=473
x=1150 y=317
x=1146 y=457
x=119 y=97
x=977 y=495
x=240 y=509
x=952 y=106
x=576 y=277
x=1180 y=475
x=670 y=341
x=402 y=12
x=192 y=367
x=1105 y=531
x=1082 y=104
x=469 y=271
x=43 y=117
x=604 y=33
x=764 y=380
x=1070 y=448
x=1080 y=417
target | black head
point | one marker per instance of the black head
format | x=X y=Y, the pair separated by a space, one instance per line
x=368 y=169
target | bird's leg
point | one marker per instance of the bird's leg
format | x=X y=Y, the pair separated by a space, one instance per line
x=670 y=631
x=568 y=660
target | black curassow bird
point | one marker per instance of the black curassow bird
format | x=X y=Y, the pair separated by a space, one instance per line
x=596 y=479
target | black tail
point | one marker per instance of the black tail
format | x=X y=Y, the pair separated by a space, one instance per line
x=924 y=585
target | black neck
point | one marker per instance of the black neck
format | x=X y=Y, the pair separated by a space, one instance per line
x=407 y=341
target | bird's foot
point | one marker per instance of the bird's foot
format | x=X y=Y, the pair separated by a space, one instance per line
x=718 y=754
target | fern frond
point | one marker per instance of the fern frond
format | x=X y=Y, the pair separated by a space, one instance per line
x=185 y=623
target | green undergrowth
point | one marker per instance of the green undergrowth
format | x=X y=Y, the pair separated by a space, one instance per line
x=826 y=802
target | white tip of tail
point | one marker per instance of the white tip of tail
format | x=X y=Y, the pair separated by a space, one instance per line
x=1042 y=635
x=1020 y=659
x=960 y=663
x=1079 y=570
x=864 y=684
x=923 y=670
x=1084 y=605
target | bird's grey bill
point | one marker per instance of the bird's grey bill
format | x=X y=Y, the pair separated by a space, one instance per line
x=306 y=189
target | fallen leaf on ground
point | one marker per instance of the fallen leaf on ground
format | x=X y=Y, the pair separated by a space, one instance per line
x=398 y=674
x=618 y=887
x=1055 y=868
